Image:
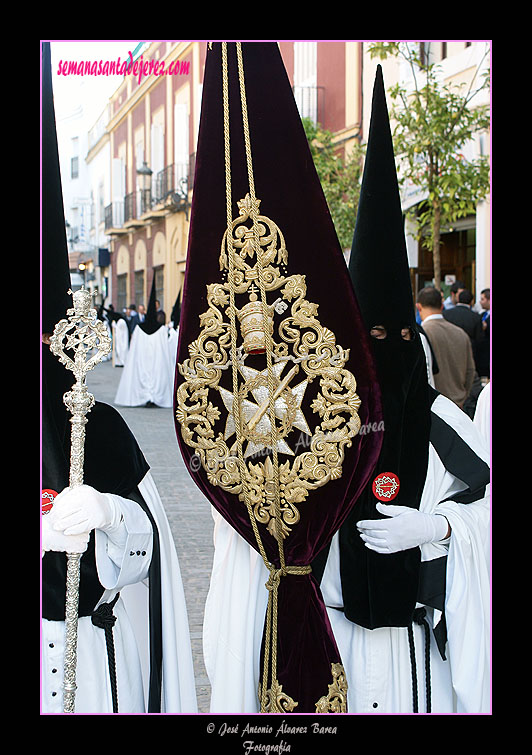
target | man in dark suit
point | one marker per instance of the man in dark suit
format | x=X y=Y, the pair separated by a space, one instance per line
x=470 y=321
x=463 y=316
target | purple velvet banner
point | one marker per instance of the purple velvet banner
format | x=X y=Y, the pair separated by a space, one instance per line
x=290 y=194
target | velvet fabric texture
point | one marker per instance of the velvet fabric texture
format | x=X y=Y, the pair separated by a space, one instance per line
x=55 y=273
x=381 y=590
x=288 y=188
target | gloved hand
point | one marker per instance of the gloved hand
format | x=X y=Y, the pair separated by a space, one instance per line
x=82 y=509
x=57 y=541
x=405 y=528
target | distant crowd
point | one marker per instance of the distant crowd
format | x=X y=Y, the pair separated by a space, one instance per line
x=458 y=333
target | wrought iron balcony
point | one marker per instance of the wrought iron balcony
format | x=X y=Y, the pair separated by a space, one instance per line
x=130 y=207
x=171 y=187
x=169 y=193
x=114 y=215
x=136 y=204
x=164 y=184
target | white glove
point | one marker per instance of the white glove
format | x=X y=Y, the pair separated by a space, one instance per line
x=406 y=528
x=82 y=509
x=57 y=541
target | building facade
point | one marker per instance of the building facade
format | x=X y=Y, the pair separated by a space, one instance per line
x=140 y=158
x=152 y=132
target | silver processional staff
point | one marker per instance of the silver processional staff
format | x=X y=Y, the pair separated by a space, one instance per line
x=80 y=334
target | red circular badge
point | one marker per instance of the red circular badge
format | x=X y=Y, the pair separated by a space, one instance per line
x=47 y=499
x=386 y=486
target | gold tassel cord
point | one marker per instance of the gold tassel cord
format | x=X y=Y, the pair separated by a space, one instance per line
x=232 y=307
x=267 y=331
x=264 y=408
x=269 y=698
x=273 y=584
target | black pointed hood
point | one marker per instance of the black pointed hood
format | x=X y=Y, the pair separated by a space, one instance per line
x=381 y=590
x=176 y=311
x=151 y=325
x=55 y=284
x=378 y=264
x=381 y=279
x=55 y=267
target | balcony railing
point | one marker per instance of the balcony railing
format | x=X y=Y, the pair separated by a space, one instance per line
x=130 y=207
x=170 y=187
x=114 y=215
x=164 y=184
x=173 y=179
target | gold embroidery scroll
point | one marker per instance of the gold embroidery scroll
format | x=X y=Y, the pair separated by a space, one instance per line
x=305 y=352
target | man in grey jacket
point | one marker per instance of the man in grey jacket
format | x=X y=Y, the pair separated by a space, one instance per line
x=451 y=346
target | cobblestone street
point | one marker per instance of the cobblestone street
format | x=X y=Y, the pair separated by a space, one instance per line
x=187 y=509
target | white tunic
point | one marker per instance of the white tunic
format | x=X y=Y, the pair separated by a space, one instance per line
x=123 y=560
x=234 y=618
x=149 y=371
x=120 y=342
x=376 y=662
x=482 y=418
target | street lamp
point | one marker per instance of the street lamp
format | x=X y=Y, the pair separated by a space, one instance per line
x=145 y=187
x=82 y=267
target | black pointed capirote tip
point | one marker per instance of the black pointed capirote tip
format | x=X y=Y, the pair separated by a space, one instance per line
x=151 y=324
x=379 y=263
x=55 y=272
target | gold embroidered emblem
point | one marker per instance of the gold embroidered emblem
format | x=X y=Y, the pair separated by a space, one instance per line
x=263 y=408
x=299 y=340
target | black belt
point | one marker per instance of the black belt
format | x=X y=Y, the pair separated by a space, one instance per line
x=104 y=618
x=419 y=618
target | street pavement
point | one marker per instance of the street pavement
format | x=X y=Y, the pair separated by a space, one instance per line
x=187 y=509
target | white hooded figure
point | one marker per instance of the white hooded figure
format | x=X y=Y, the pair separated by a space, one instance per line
x=120 y=342
x=148 y=377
